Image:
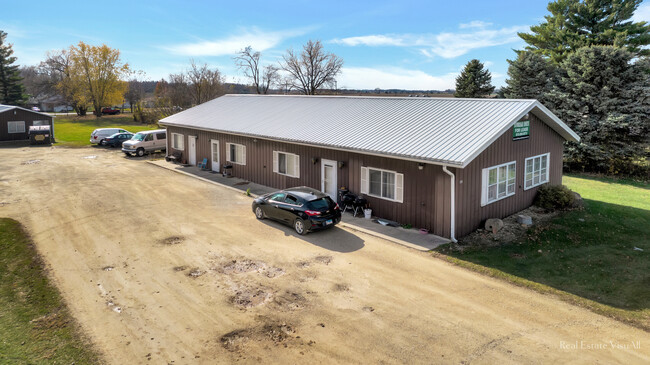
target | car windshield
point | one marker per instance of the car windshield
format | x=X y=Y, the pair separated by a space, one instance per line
x=320 y=204
x=138 y=137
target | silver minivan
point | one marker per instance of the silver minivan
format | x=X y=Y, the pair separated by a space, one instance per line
x=146 y=142
x=99 y=135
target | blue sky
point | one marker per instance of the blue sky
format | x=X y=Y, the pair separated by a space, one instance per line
x=384 y=44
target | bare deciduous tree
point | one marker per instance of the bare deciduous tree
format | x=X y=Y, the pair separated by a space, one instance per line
x=204 y=84
x=313 y=68
x=263 y=79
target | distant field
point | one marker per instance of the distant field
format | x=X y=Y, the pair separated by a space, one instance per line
x=601 y=253
x=73 y=131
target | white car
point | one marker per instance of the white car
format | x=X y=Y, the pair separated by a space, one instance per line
x=99 y=135
x=144 y=142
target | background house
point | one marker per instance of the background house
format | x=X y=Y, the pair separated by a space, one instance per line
x=438 y=163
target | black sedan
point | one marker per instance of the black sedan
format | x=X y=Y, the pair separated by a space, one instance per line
x=305 y=209
x=116 y=140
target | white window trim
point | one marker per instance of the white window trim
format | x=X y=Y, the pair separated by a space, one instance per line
x=16 y=122
x=276 y=163
x=229 y=158
x=398 y=193
x=548 y=164
x=182 y=139
x=485 y=179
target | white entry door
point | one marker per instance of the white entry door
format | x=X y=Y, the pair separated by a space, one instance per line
x=192 y=150
x=328 y=178
x=215 y=154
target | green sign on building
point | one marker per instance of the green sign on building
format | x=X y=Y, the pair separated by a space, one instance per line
x=521 y=130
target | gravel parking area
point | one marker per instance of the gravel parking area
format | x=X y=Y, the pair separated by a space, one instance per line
x=162 y=268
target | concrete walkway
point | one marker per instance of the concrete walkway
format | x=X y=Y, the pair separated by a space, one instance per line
x=412 y=238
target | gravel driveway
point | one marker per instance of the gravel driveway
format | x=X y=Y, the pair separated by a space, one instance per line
x=164 y=268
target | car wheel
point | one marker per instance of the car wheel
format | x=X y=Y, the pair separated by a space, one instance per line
x=259 y=213
x=139 y=152
x=299 y=226
x=102 y=142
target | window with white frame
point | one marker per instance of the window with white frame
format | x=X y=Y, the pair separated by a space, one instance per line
x=236 y=153
x=286 y=164
x=537 y=170
x=16 y=127
x=178 y=141
x=498 y=182
x=383 y=184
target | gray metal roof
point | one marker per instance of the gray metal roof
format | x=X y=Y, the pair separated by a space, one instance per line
x=444 y=131
x=4 y=108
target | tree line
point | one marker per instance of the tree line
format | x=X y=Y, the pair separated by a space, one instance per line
x=93 y=77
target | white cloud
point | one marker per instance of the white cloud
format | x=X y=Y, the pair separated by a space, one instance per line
x=642 y=13
x=259 y=40
x=393 y=78
x=474 y=24
x=445 y=45
x=371 y=40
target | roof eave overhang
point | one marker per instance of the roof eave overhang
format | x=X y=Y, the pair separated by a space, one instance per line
x=456 y=164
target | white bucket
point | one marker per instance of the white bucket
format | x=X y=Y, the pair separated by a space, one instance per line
x=367 y=213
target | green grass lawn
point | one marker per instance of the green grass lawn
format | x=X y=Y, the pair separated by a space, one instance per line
x=35 y=325
x=73 y=131
x=586 y=254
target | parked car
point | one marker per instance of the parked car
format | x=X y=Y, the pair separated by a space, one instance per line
x=110 y=111
x=303 y=208
x=36 y=109
x=145 y=142
x=116 y=140
x=99 y=135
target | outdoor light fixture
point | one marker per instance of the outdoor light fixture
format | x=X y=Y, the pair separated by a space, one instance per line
x=314 y=160
x=341 y=164
x=420 y=166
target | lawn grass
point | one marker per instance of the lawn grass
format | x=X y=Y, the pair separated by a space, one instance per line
x=74 y=131
x=35 y=325
x=587 y=256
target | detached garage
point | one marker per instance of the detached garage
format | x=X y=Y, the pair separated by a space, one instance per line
x=16 y=121
x=442 y=164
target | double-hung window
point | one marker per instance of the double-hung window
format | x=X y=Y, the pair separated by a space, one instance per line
x=536 y=170
x=236 y=153
x=383 y=184
x=286 y=164
x=177 y=141
x=16 y=127
x=498 y=182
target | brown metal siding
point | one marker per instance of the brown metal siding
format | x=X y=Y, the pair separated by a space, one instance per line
x=426 y=192
x=19 y=115
x=469 y=213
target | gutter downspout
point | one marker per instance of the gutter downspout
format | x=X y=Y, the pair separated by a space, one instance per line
x=453 y=203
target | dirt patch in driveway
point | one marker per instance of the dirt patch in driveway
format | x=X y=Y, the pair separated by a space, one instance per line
x=242 y=266
x=274 y=333
x=248 y=297
x=172 y=240
x=290 y=301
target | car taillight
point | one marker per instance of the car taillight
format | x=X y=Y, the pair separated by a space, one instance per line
x=95 y=137
x=312 y=212
x=337 y=207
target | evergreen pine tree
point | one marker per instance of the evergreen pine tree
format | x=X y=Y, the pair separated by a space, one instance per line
x=474 y=81
x=605 y=98
x=530 y=76
x=12 y=91
x=573 y=24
